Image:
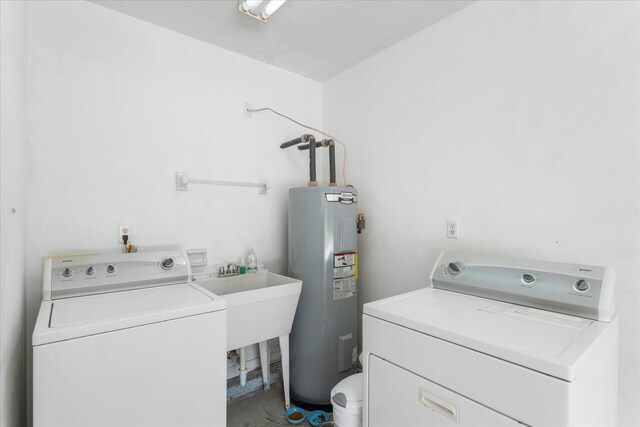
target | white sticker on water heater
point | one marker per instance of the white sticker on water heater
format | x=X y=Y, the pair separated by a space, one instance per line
x=344 y=271
x=345 y=259
x=344 y=288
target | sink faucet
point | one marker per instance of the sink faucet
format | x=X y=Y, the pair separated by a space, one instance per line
x=231 y=270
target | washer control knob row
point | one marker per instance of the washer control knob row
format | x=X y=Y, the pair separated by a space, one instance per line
x=582 y=285
x=167 y=264
x=90 y=271
x=67 y=272
x=455 y=268
x=111 y=268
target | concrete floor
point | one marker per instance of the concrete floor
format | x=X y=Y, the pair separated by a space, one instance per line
x=259 y=409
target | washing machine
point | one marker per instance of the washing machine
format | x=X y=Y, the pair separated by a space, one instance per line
x=127 y=340
x=494 y=342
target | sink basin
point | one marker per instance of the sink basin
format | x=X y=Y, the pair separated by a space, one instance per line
x=260 y=306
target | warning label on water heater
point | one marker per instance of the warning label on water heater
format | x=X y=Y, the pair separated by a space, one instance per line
x=346 y=259
x=344 y=275
x=344 y=288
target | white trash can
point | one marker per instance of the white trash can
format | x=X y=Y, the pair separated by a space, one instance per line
x=346 y=399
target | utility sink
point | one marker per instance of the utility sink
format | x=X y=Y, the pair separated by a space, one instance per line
x=260 y=306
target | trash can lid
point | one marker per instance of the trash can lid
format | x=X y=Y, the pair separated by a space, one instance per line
x=348 y=392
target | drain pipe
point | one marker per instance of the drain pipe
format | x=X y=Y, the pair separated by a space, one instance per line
x=239 y=357
x=243 y=367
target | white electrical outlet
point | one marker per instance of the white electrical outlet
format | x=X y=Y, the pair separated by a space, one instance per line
x=247 y=107
x=122 y=230
x=453 y=228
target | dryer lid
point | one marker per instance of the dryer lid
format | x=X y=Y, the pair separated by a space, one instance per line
x=545 y=341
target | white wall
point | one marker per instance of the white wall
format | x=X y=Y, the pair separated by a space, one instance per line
x=117 y=106
x=13 y=141
x=521 y=119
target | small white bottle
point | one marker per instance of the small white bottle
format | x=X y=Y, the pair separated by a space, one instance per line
x=252 y=263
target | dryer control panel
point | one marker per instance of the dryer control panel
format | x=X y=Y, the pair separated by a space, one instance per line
x=72 y=276
x=575 y=289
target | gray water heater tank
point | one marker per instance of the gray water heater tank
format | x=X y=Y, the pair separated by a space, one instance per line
x=323 y=254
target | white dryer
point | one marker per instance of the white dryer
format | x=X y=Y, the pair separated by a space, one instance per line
x=494 y=342
x=127 y=340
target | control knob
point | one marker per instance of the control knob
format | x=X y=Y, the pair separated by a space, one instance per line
x=90 y=271
x=111 y=268
x=455 y=267
x=528 y=278
x=167 y=264
x=582 y=285
x=67 y=272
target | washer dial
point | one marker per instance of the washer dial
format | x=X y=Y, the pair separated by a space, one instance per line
x=167 y=264
x=67 y=272
x=581 y=285
x=455 y=268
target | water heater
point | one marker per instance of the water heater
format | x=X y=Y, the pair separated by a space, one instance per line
x=323 y=254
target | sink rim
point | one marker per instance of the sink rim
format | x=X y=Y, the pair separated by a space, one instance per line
x=251 y=296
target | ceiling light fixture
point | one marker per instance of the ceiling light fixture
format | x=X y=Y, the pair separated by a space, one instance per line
x=259 y=9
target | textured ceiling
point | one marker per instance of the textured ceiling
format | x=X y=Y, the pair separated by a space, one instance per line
x=314 y=38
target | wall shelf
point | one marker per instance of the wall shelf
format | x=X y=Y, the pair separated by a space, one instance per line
x=183 y=181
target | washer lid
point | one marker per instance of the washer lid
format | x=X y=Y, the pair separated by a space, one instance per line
x=548 y=342
x=71 y=318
